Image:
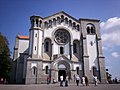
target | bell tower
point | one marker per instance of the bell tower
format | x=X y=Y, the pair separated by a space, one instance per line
x=36 y=32
x=34 y=63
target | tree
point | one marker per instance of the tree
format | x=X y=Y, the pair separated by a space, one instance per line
x=5 y=60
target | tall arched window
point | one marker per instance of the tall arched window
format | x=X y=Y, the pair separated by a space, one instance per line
x=54 y=21
x=70 y=23
x=74 y=48
x=61 y=50
x=37 y=25
x=90 y=29
x=34 y=70
x=62 y=18
x=40 y=23
x=58 y=20
x=66 y=20
x=46 y=25
x=46 y=46
x=50 y=23
x=94 y=71
x=74 y=25
x=46 y=70
x=78 y=28
x=77 y=69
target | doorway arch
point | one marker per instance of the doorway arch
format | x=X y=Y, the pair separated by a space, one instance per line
x=63 y=69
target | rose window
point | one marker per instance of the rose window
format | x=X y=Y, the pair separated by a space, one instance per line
x=61 y=36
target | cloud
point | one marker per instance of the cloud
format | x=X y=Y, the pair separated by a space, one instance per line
x=108 y=67
x=104 y=48
x=115 y=54
x=111 y=31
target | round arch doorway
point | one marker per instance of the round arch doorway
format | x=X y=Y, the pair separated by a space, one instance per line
x=63 y=70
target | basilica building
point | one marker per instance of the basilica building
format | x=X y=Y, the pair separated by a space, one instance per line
x=59 y=45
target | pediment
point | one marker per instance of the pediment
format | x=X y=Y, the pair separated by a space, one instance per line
x=61 y=57
x=59 y=14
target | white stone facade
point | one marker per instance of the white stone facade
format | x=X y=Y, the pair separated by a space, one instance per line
x=59 y=45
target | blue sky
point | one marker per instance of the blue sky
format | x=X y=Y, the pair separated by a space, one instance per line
x=15 y=14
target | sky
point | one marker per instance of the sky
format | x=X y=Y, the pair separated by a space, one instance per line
x=15 y=19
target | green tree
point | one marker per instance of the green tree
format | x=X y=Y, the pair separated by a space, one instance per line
x=5 y=60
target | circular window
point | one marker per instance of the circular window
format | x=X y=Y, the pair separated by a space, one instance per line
x=61 y=36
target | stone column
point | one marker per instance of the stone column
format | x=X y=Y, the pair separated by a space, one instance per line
x=39 y=72
x=101 y=63
x=85 y=59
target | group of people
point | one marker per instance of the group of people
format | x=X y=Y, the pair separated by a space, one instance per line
x=84 y=80
x=77 y=79
x=66 y=81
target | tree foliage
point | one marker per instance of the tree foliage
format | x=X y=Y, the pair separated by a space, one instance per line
x=5 y=60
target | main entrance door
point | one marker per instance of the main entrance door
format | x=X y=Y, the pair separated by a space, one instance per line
x=61 y=73
x=63 y=67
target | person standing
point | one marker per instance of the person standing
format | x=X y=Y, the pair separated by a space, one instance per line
x=48 y=80
x=83 y=81
x=66 y=81
x=77 y=79
x=86 y=80
x=61 y=80
x=95 y=80
x=115 y=80
x=74 y=76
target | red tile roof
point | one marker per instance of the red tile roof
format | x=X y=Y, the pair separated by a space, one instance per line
x=23 y=37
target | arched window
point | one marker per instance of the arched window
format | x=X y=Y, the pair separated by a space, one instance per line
x=36 y=35
x=62 y=18
x=58 y=20
x=46 y=25
x=77 y=69
x=40 y=23
x=94 y=71
x=32 y=22
x=35 y=47
x=37 y=23
x=74 y=48
x=90 y=29
x=46 y=46
x=50 y=24
x=74 y=25
x=61 y=50
x=54 y=21
x=70 y=23
x=46 y=70
x=66 y=20
x=34 y=70
x=78 y=27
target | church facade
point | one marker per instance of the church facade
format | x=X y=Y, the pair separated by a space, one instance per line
x=59 y=45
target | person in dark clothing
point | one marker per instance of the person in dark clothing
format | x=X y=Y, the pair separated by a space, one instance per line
x=86 y=81
x=66 y=81
x=48 y=80
x=115 y=80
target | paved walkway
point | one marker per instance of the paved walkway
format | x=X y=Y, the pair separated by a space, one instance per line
x=57 y=87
